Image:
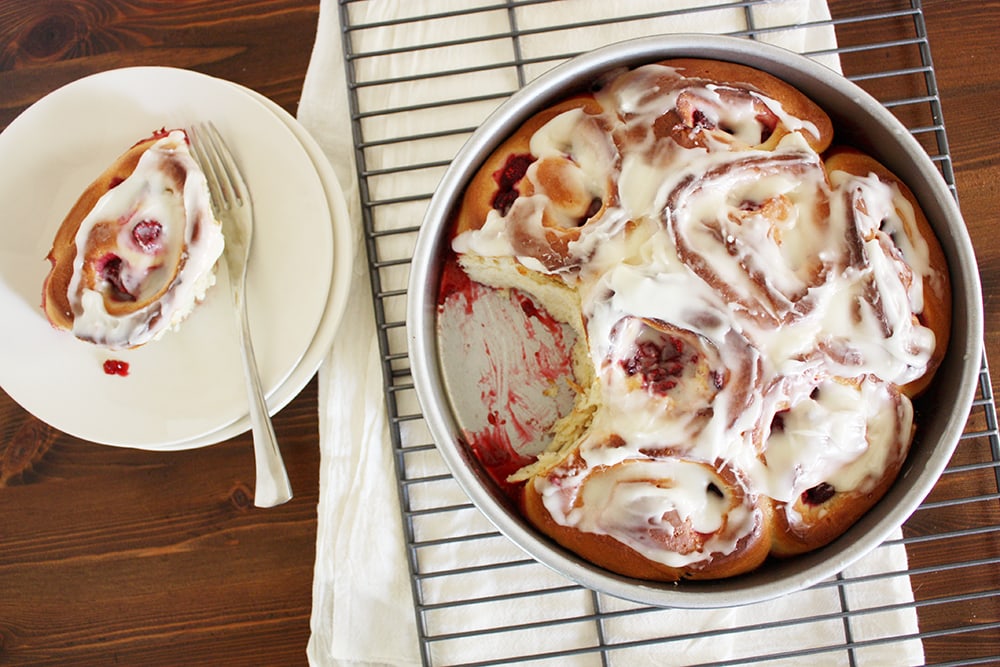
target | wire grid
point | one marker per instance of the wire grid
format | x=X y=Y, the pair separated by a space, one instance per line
x=952 y=541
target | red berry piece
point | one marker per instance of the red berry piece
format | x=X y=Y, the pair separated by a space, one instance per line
x=818 y=494
x=116 y=367
x=507 y=179
x=146 y=235
x=110 y=270
x=660 y=364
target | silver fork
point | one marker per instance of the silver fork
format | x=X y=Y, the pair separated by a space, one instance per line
x=232 y=204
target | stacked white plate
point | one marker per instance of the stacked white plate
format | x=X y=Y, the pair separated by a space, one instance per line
x=185 y=390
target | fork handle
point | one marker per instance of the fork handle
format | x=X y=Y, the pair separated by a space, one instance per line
x=272 y=485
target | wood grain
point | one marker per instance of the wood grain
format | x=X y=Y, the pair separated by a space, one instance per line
x=47 y=43
x=120 y=556
x=958 y=606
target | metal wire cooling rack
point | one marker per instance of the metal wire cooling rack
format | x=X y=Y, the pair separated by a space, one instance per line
x=952 y=542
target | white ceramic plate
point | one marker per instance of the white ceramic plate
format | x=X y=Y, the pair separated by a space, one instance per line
x=189 y=384
x=343 y=257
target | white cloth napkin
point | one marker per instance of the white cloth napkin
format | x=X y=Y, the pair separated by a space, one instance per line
x=363 y=610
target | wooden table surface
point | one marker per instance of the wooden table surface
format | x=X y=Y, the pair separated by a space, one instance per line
x=112 y=555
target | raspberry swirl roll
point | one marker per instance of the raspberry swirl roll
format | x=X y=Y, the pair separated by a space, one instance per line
x=138 y=250
x=663 y=383
x=668 y=356
x=832 y=448
x=896 y=306
x=714 y=105
x=545 y=194
x=657 y=515
x=755 y=226
x=666 y=379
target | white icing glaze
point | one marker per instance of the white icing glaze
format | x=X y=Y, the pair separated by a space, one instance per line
x=789 y=121
x=755 y=215
x=782 y=278
x=167 y=188
x=622 y=502
x=837 y=433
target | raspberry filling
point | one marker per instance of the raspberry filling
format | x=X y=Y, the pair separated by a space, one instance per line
x=110 y=269
x=146 y=235
x=664 y=361
x=778 y=421
x=690 y=108
x=661 y=362
x=818 y=494
x=659 y=365
x=507 y=179
x=768 y=123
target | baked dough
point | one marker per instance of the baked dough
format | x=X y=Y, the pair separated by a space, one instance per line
x=755 y=307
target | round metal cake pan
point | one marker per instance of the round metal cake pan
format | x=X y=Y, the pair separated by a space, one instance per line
x=859 y=120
